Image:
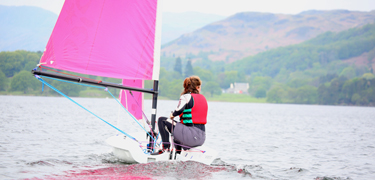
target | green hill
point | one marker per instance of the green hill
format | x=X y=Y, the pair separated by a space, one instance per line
x=316 y=71
x=324 y=52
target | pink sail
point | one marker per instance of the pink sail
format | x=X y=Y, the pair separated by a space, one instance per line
x=132 y=104
x=118 y=39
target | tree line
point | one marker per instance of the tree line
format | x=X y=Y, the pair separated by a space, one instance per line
x=313 y=72
x=332 y=89
x=16 y=77
x=338 y=90
x=15 y=70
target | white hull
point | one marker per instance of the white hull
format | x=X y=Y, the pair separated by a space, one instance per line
x=130 y=151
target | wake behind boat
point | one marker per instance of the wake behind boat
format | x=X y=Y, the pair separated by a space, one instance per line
x=115 y=39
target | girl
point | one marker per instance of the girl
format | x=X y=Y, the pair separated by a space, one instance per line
x=192 y=110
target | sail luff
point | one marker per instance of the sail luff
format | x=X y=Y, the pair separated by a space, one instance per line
x=157 y=43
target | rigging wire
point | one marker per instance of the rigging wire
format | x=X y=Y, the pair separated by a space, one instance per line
x=47 y=84
x=99 y=88
x=130 y=114
x=143 y=113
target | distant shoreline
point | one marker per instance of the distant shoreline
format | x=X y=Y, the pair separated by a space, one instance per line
x=214 y=99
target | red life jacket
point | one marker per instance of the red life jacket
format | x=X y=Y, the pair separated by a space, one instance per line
x=198 y=113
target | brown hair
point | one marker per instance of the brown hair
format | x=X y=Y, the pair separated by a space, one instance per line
x=190 y=85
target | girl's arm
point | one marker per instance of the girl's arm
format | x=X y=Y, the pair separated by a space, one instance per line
x=184 y=99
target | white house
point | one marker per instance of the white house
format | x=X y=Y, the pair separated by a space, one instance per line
x=238 y=88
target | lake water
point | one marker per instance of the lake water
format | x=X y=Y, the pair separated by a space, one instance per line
x=52 y=138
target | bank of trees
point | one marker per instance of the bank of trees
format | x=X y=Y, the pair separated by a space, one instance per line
x=324 y=50
x=16 y=77
x=333 y=90
x=346 y=87
x=15 y=70
x=312 y=72
x=356 y=91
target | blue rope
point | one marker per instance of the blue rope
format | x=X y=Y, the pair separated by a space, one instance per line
x=109 y=93
x=99 y=87
x=44 y=82
x=131 y=115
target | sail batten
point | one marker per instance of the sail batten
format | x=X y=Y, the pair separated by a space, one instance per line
x=117 y=39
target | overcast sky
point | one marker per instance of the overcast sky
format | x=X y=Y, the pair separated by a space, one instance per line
x=229 y=7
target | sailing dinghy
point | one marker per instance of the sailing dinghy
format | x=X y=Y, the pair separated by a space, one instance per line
x=116 y=39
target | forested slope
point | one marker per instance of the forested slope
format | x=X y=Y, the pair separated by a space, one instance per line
x=315 y=72
x=320 y=51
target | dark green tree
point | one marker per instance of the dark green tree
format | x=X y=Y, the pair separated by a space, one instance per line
x=260 y=93
x=348 y=72
x=31 y=61
x=23 y=81
x=164 y=87
x=178 y=65
x=212 y=87
x=164 y=74
x=175 y=89
x=67 y=88
x=189 y=69
x=332 y=93
x=276 y=95
x=3 y=81
x=228 y=77
x=260 y=83
x=11 y=63
x=204 y=75
x=305 y=95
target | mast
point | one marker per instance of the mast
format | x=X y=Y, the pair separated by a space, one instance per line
x=153 y=113
x=154 y=104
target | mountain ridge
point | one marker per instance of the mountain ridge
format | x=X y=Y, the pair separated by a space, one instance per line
x=249 y=33
x=29 y=27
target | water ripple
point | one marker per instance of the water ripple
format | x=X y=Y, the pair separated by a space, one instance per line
x=51 y=138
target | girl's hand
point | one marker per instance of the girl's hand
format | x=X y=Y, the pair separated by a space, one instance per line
x=171 y=116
